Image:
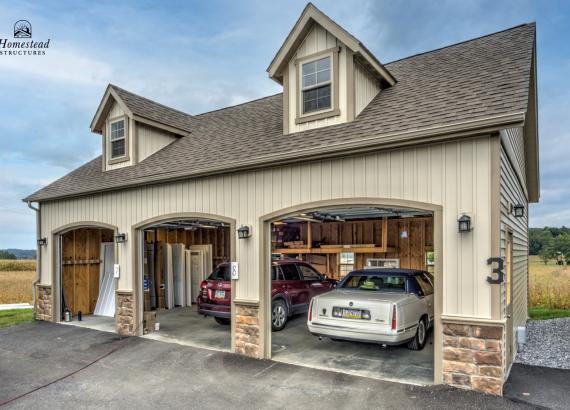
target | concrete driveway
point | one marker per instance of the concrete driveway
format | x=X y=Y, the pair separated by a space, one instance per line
x=146 y=374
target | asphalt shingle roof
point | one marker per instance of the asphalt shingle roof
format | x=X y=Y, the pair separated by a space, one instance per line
x=476 y=79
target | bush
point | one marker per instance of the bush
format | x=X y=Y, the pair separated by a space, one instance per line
x=10 y=265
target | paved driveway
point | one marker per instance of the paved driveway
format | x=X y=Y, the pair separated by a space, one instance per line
x=146 y=374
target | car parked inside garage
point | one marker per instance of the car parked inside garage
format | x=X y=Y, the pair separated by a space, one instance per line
x=294 y=283
x=385 y=306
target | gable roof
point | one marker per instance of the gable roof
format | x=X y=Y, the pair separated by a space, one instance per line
x=307 y=19
x=471 y=88
x=141 y=109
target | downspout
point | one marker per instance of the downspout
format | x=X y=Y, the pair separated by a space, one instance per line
x=38 y=253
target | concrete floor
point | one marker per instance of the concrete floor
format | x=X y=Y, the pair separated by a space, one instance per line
x=295 y=345
x=137 y=373
x=186 y=327
x=102 y=323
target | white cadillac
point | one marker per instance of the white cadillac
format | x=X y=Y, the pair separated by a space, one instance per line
x=384 y=306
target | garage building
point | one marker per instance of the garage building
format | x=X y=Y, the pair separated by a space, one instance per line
x=428 y=162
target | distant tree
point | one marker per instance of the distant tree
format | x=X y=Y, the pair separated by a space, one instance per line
x=7 y=255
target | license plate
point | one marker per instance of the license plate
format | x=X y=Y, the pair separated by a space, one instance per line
x=220 y=294
x=351 y=313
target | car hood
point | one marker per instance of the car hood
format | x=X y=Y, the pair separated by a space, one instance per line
x=363 y=296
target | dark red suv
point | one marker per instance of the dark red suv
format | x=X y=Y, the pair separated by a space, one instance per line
x=294 y=283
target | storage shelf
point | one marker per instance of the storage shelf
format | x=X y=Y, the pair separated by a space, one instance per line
x=338 y=249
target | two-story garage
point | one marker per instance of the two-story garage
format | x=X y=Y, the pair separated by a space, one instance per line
x=428 y=162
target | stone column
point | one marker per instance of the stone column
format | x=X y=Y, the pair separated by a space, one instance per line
x=473 y=356
x=247 y=332
x=44 y=303
x=125 y=316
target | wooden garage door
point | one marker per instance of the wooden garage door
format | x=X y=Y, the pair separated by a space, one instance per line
x=81 y=259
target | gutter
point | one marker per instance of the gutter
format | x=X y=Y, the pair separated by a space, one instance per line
x=464 y=129
x=38 y=253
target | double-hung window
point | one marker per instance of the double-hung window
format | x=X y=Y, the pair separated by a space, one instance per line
x=316 y=85
x=117 y=138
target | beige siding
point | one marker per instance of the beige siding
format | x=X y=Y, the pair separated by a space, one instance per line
x=511 y=194
x=151 y=140
x=365 y=88
x=117 y=111
x=455 y=175
x=513 y=144
x=318 y=39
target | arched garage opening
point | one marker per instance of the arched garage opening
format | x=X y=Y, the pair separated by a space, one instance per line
x=184 y=289
x=354 y=288
x=83 y=275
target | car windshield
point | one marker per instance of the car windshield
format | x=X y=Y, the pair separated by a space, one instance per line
x=222 y=272
x=384 y=283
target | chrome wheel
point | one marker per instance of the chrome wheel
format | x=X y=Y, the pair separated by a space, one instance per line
x=421 y=332
x=278 y=316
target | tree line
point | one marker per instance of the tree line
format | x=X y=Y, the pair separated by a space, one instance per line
x=550 y=243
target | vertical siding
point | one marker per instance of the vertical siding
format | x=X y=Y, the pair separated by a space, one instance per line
x=455 y=175
x=151 y=140
x=512 y=193
x=318 y=39
x=365 y=88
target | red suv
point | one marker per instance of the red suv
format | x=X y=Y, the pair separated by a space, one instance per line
x=294 y=283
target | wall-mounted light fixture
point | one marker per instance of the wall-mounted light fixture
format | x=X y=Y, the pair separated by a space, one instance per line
x=121 y=238
x=464 y=223
x=244 y=232
x=42 y=242
x=518 y=210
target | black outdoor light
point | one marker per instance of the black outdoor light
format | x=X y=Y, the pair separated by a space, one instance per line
x=519 y=210
x=42 y=241
x=464 y=223
x=121 y=238
x=244 y=232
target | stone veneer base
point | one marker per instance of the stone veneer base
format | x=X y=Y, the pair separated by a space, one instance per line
x=247 y=332
x=125 y=313
x=473 y=357
x=44 y=303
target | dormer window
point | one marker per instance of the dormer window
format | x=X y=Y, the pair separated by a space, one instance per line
x=318 y=86
x=118 y=139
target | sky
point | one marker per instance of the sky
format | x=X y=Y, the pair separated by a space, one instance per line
x=197 y=56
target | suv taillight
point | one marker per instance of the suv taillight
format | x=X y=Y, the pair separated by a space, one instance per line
x=394 y=318
x=204 y=290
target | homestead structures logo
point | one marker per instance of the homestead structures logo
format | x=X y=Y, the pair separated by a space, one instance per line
x=23 y=30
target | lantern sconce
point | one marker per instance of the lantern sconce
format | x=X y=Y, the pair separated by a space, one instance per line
x=518 y=210
x=121 y=238
x=42 y=242
x=244 y=232
x=464 y=223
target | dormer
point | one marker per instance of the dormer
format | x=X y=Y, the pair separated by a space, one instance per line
x=133 y=128
x=328 y=76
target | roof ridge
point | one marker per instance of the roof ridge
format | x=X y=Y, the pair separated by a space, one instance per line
x=532 y=23
x=236 y=105
x=148 y=99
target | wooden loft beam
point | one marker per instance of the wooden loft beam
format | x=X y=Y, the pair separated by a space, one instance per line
x=339 y=249
x=384 y=239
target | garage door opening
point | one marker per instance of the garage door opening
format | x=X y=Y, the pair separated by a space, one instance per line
x=87 y=295
x=178 y=258
x=337 y=274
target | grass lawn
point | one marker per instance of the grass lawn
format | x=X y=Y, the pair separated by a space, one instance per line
x=545 y=313
x=549 y=286
x=15 y=317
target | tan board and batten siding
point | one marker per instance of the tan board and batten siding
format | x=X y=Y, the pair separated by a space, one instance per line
x=512 y=193
x=455 y=175
x=365 y=87
x=151 y=140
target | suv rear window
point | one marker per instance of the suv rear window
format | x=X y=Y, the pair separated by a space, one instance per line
x=309 y=273
x=222 y=272
x=290 y=271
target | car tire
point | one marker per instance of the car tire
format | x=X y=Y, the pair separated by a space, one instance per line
x=419 y=340
x=222 y=321
x=279 y=315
